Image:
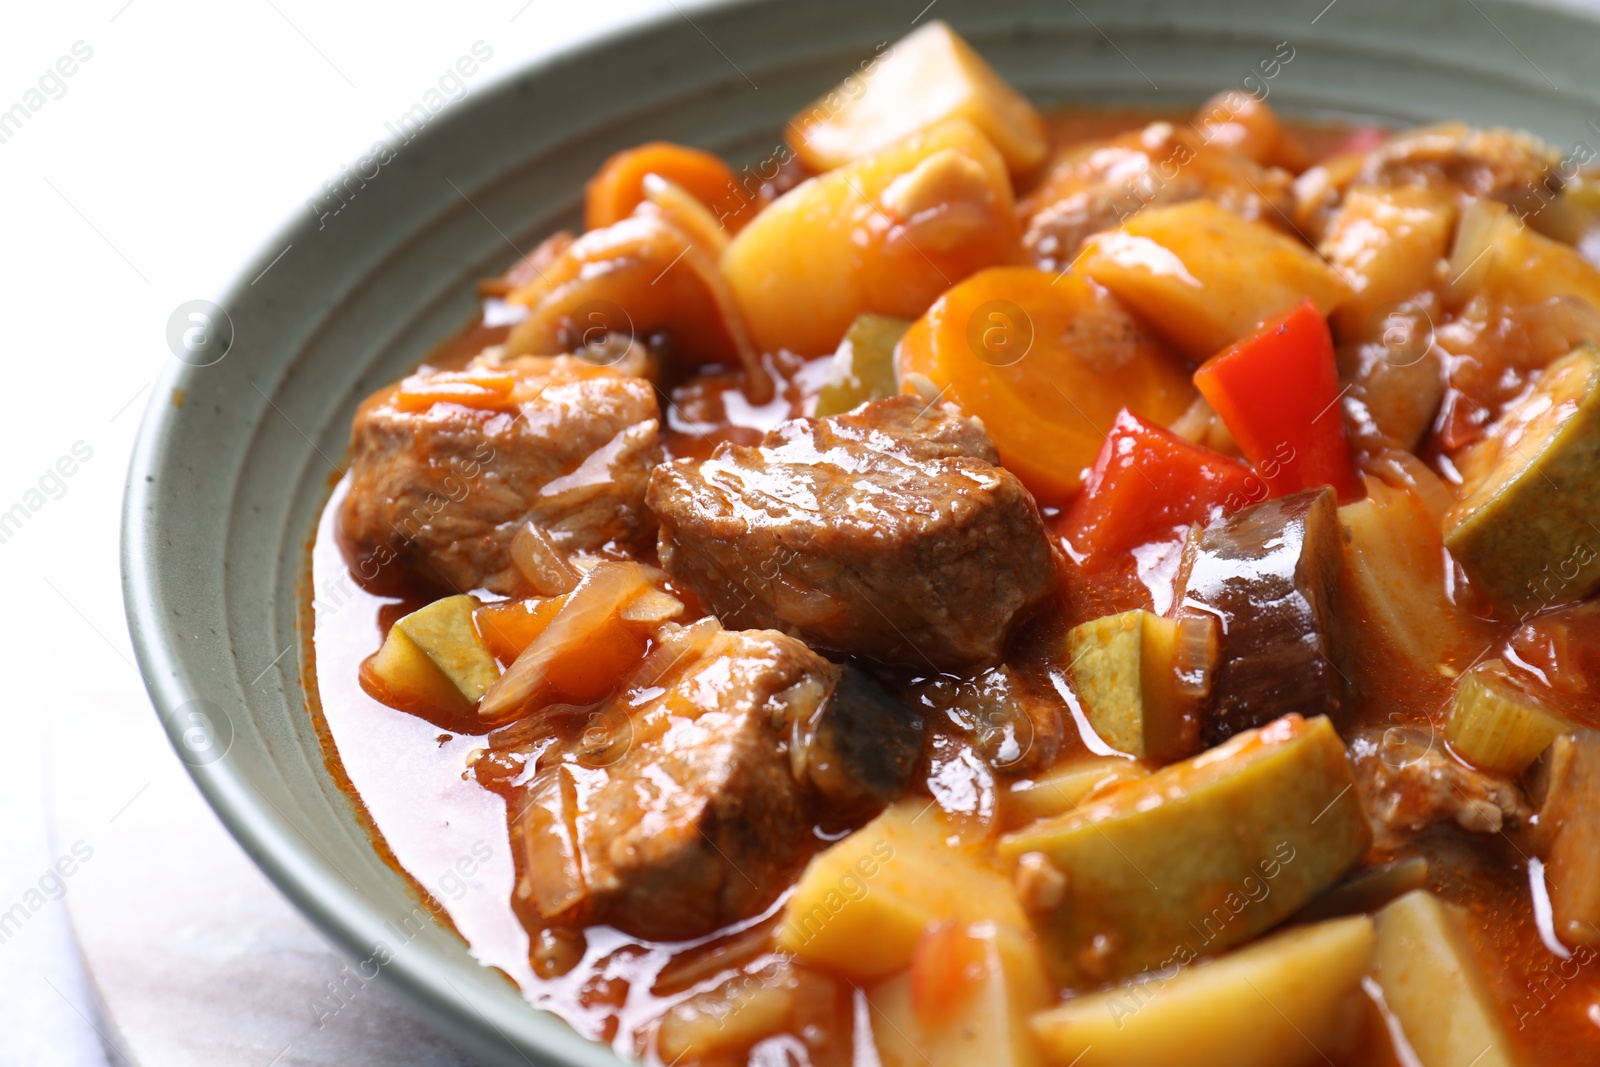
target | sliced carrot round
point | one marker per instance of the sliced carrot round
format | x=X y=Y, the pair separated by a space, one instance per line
x=618 y=187
x=1046 y=361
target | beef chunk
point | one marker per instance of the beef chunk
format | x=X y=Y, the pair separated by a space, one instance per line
x=1408 y=782
x=1269 y=575
x=888 y=532
x=1097 y=186
x=699 y=799
x=439 y=488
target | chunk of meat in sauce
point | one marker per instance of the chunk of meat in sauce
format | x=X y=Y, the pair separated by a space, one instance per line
x=1408 y=782
x=889 y=532
x=1269 y=575
x=1095 y=187
x=439 y=489
x=697 y=811
x=1453 y=157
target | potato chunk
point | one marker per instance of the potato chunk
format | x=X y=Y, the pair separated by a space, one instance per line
x=434 y=658
x=1206 y=277
x=1432 y=983
x=1525 y=529
x=1568 y=836
x=862 y=904
x=1201 y=855
x=1390 y=244
x=887 y=234
x=1277 y=1003
x=928 y=76
x=966 y=1000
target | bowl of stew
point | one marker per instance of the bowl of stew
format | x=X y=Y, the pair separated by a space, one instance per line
x=1006 y=534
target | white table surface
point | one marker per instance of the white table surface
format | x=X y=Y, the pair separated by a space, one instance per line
x=190 y=132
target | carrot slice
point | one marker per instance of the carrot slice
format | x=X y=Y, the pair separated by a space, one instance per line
x=618 y=187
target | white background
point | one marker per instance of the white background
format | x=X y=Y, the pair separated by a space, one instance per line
x=192 y=132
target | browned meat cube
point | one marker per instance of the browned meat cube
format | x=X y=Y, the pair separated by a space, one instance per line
x=438 y=488
x=888 y=532
x=1408 y=782
x=1269 y=575
x=700 y=783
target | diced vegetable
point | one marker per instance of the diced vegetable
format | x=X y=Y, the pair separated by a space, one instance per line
x=433 y=658
x=581 y=654
x=887 y=234
x=1496 y=724
x=966 y=1000
x=1047 y=362
x=509 y=626
x=1387 y=243
x=630 y=280
x=1064 y=787
x=1206 y=853
x=729 y=1018
x=1278 y=391
x=618 y=187
x=475 y=388
x=1206 y=277
x=1277 y=1003
x=862 y=904
x=863 y=367
x=1405 y=626
x=929 y=76
x=1433 y=985
x=1270 y=576
x=1568 y=837
x=545 y=826
x=537 y=557
x=1496 y=256
x=1525 y=530
x=1150 y=485
x=1141 y=679
x=1242 y=123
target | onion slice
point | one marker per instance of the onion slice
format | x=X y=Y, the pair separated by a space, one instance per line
x=602 y=593
x=536 y=556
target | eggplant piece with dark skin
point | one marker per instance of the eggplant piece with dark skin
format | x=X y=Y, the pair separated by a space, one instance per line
x=860 y=745
x=1269 y=575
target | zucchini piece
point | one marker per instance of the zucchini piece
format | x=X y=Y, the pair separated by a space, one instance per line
x=861 y=905
x=863 y=367
x=1276 y=1003
x=966 y=1000
x=1270 y=575
x=1141 y=679
x=1063 y=788
x=1525 y=530
x=1494 y=724
x=1569 y=837
x=1199 y=856
x=1432 y=984
x=434 y=658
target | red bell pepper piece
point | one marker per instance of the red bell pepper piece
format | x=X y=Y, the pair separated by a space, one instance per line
x=1278 y=392
x=1149 y=484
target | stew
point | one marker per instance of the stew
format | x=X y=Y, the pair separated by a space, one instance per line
x=1107 y=588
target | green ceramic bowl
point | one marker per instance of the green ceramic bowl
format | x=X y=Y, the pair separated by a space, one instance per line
x=224 y=491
